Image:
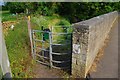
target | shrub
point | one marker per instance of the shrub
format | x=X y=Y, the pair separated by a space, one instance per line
x=63 y=22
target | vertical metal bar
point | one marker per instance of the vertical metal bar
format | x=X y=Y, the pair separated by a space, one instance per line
x=42 y=48
x=67 y=34
x=34 y=45
x=51 y=29
x=50 y=50
x=71 y=53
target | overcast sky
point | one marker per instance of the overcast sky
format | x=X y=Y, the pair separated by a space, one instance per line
x=1 y=3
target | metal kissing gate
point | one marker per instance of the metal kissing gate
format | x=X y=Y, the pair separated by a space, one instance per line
x=53 y=48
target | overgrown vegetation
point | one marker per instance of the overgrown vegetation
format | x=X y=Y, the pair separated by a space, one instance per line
x=53 y=14
x=7 y=16
x=18 y=47
x=49 y=21
x=73 y=11
x=54 y=23
x=17 y=42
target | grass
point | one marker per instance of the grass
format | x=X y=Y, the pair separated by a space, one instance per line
x=56 y=22
x=17 y=41
x=7 y=16
x=18 y=47
x=48 y=21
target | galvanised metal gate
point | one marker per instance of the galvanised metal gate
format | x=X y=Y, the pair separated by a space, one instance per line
x=56 y=50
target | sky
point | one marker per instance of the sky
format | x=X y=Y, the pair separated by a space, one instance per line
x=1 y=3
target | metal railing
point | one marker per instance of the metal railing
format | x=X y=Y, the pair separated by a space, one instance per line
x=49 y=55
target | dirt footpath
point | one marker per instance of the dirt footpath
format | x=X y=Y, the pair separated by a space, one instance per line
x=42 y=71
x=108 y=65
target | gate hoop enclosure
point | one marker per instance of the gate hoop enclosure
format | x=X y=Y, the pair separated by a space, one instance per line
x=53 y=53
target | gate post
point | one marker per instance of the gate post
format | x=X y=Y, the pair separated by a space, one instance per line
x=30 y=35
x=50 y=50
x=80 y=45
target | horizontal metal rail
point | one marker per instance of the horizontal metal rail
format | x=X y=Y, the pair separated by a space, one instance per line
x=62 y=26
x=68 y=68
x=61 y=33
x=40 y=48
x=61 y=40
x=48 y=60
x=60 y=61
x=38 y=40
x=60 y=53
x=61 y=44
x=43 y=63
x=42 y=56
x=40 y=31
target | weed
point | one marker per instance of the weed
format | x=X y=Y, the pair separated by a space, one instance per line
x=17 y=42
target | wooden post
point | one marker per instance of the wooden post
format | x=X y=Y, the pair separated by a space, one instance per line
x=30 y=36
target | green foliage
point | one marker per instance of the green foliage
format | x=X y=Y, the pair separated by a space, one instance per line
x=63 y=22
x=73 y=11
x=48 y=21
x=4 y=8
x=55 y=22
x=41 y=21
x=43 y=15
x=81 y=11
x=7 y=16
x=47 y=8
x=15 y=7
x=42 y=8
x=17 y=42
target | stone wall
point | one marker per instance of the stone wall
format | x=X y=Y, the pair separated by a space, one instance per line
x=88 y=38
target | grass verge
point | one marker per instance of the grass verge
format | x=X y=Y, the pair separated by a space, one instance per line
x=18 y=47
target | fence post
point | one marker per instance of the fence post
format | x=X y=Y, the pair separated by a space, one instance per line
x=30 y=36
x=50 y=50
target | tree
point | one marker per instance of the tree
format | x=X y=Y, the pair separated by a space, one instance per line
x=73 y=11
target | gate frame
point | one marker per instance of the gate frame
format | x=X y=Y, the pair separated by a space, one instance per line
x=50 y=48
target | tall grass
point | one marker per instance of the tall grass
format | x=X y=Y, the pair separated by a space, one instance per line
x=7 y=16
x=18 y=48
x=56 y=22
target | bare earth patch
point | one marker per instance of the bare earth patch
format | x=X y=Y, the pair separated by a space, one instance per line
x=6 y=26
x=42 y=71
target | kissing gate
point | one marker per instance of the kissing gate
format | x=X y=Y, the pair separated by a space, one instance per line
x=53 y=47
